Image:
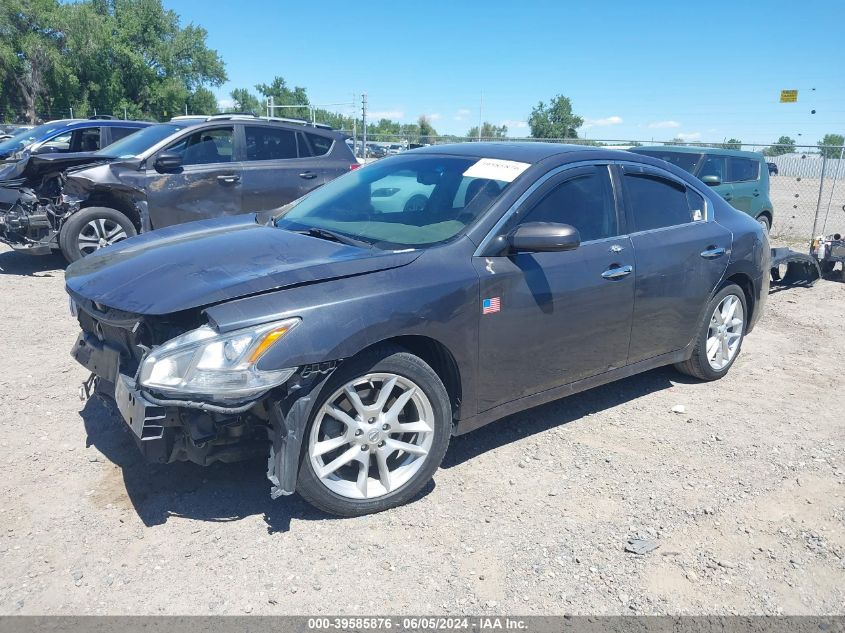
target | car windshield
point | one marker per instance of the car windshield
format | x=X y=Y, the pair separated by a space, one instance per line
x=139 y=141
x=687 y=161
x=28 y=137
x=404 y=201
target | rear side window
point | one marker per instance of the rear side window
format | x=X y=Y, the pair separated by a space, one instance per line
x=319 y=144
x=118 y=133
x=714 y=166
x=742 y=169
x=585 y=202
x=86 y=140
x=656 y=203
x=267 y=143
x=206 y=147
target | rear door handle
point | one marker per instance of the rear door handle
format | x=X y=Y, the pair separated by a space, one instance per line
x=308 y=175
x=756 y=193
x=617 y=272
x=712 y=252
x=228 y=179
x=727 y=196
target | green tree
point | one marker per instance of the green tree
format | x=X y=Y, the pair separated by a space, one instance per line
x=831 y=145
x=555 y=120
x=245 y=101
x=102 y=55
x=202 y=101
x=488 y=130
x=784 y=145
x=32 y=63
x=732 y=143
x=427 y=133
x=282 y=95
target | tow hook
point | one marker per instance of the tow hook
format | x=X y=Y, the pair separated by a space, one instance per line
x=87 y=387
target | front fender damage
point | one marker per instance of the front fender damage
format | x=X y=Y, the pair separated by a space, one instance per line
x=288 y=422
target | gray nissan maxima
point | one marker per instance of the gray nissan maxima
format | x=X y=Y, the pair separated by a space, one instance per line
x=349 y=338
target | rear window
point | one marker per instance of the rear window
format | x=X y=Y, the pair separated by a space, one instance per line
x=267 y=143
x=685 y=160
x=319 y=144
x=742 y=169
x=656 y=202
x=118 y=133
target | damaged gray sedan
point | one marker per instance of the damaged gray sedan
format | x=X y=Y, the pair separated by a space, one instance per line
x=349 y=339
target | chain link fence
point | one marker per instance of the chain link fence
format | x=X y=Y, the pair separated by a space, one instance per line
x=806 y=182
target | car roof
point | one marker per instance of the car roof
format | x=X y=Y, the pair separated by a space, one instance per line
x=74 y=123
x=525 y=152
x=699 y=149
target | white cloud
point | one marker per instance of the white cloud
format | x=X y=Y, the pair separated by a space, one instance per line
x=512 y=124
x=660 y=125
x=461 y=114
x=225 y=104
x=689 y=136
x=385 y=114
x=611 y=120
x=434 y=116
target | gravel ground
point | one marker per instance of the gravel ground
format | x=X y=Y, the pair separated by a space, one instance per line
x=742 y=492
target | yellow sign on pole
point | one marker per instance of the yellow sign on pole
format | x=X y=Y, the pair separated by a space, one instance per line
x=788 y=96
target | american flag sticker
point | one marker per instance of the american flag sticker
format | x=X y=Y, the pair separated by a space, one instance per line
x=491 y=305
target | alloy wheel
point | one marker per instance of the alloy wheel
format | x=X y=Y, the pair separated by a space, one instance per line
x=99 y=233
x=371 y=436
x=725 y=332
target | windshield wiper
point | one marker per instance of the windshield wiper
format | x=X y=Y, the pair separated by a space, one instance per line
x=335 y=237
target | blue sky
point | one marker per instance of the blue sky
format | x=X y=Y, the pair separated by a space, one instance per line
x=645 y=70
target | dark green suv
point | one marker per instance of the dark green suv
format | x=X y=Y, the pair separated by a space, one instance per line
x=741 y=178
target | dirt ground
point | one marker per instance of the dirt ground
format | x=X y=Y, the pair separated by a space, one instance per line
x=743 y=493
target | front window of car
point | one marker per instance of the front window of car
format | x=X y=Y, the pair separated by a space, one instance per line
x=685 y=160
x=28 y=137
x=404 y=202
x=140 y=141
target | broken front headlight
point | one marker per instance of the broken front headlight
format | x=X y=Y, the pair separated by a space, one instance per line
x=218 y=366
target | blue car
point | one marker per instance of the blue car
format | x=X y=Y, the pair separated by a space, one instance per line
x=68 y=135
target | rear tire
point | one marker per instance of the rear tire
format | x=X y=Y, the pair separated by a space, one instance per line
x=374 y=473
x=715 y=349
x=93 y=228
x=765 y=222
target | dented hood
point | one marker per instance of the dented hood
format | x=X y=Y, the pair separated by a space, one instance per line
x=210 y=261
x=32 y=169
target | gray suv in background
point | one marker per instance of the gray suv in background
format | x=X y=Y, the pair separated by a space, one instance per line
x=195 y=168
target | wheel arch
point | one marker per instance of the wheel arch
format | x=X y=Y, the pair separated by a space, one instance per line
x=435 y=354
x=745 y=282
x=118 y=203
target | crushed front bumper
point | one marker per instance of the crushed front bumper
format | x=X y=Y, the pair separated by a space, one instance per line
x=25 y=224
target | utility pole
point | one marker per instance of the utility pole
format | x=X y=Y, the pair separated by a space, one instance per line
x=270 y=108
x=480 y=116
x=364 y=122
x=354 y=125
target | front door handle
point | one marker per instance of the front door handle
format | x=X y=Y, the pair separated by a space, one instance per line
x=308 y=175
x=617 y=272
x=228 y=179
x=712 y=252
x=756 y=193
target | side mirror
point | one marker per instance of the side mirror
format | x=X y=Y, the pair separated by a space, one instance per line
x=45 y=149
x=711 y=181
x=168 y=162
x=543 y=237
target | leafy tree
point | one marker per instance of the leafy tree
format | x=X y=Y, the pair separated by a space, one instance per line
x=202 y=101
x=245 y=101
x=488 y=130
x=555 y=120
x=101 y=55
x=784 y=145
x=831 y=145
x=427 y=133
x=282 y=95
x=732 y=144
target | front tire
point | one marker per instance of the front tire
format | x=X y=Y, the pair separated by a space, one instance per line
x=91 y=229
x=376 y=435
x=720 y=336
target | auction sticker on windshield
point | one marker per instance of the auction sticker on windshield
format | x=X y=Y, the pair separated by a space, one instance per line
x=495 y=169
